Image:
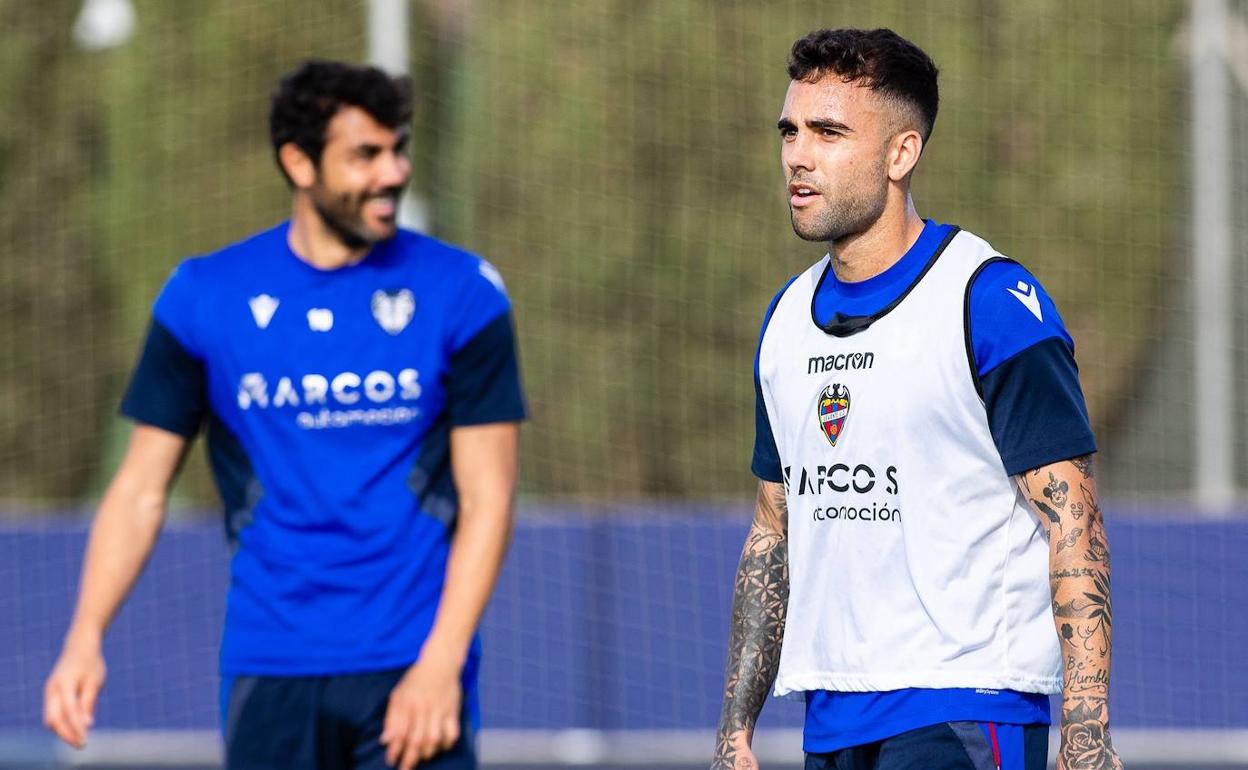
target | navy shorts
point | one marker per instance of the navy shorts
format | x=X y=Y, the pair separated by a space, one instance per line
x=946 y=746
x=319 y=723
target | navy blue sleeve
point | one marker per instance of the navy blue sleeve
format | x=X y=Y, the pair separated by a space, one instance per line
x=483 y=383
x=766 y=461
x=167 y=389
x=1036 y=410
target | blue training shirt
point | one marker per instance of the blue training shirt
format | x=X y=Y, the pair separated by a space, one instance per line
x=1023 y=360
x=328 y=397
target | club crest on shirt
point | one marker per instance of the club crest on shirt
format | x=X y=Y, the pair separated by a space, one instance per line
x=393 y=309
x=833 y=408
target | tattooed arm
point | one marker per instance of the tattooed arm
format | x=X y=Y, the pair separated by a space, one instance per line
x=759 y=605
x=1064 y=496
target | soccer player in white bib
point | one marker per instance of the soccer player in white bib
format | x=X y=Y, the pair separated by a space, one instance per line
x=927 y=561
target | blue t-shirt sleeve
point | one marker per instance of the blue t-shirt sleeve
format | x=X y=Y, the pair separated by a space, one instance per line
x=482 y=297
x=176 y=306
x=766 y=461
x=483 y=382
x=1025 y=363
x=168 y=389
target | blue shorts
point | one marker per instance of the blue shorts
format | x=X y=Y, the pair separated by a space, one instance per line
x=946 y=746
x=319 y=723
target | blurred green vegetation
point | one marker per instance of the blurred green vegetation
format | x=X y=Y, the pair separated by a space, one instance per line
x=616 y=159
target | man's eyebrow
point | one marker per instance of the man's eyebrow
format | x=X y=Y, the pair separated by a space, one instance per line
x=784 y=124
x=828 y=123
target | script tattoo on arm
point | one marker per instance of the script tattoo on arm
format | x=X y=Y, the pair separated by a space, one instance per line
x=759 y=607
x=1082 y=609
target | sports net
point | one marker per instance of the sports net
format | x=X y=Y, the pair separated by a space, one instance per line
x=618 y=162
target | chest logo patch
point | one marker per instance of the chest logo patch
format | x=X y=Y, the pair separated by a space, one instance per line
x=262 y=309
x=833 y=408
x=393 y=309
x=320 y=319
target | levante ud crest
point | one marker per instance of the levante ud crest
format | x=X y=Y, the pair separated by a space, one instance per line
x=833 y=409
x=393 y=309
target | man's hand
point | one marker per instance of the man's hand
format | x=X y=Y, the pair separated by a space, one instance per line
x=71 y=690
x=1085 y=741
x=734 y=754
x=1085 y=750
x=422 y=718
x=122 y=537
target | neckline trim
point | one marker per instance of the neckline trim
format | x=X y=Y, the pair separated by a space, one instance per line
x=841 y=325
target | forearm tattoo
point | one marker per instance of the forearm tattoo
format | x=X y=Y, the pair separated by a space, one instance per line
x=1082 y=609
x=759 y=606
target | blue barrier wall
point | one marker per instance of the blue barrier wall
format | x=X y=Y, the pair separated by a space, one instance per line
x=615 y=621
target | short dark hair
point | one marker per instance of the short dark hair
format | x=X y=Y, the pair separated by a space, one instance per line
x=306 y=100
x=878 y=59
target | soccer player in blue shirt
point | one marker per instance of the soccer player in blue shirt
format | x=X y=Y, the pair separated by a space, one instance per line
x=359 y=391
x=927 y=561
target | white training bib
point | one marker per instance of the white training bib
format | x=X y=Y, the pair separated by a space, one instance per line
x=913 y=559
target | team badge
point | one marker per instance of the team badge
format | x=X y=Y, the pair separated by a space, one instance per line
x=393 y=309
x=833 y=409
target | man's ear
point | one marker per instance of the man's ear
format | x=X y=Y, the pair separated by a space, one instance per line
x=903 y=154
x=298 y=166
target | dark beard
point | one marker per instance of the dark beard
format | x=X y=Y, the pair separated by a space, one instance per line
x=842 y=223
x=342 y=224
x=851 y=215
x=342 y=216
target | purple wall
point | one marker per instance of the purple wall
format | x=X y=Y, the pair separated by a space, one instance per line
x=612 y=621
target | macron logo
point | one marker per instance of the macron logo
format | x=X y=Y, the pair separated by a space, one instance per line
x=1026 y=294
x=491 y=274
x=262 y=309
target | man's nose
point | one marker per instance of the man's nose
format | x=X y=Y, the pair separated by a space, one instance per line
x=395 y=169
x=796 y=155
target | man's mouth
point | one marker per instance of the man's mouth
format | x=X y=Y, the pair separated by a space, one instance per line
x=801 y=194
x=383 y=206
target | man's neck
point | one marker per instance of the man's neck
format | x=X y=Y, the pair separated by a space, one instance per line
x=316 y=243
x=867 y=254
